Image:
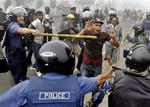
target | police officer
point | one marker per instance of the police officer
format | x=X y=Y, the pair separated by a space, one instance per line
x=15 y=42
x=131 y=86
x=140 y=36
x=57 y=87
x=146 y=23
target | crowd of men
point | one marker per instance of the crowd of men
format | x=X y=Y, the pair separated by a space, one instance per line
x=54 y=63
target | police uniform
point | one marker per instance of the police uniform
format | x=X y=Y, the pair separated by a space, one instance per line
x=130 y=90
x=146 y=24
x=15 y=52
x=141 y=38
x=48 y=90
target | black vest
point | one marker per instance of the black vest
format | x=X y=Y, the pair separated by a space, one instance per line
x=130 y=91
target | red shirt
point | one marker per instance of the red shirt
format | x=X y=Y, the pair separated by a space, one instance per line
x=93 y=49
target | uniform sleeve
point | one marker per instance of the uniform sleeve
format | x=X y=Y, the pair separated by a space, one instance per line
x=16 y=96
x=131 y=40
x=13 y=28
x=87 y=85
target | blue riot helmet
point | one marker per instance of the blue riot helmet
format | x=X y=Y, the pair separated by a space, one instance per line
x=139 y=28
x=138 y=57
x=56 y=56
x=16 y=11
x=148 y=15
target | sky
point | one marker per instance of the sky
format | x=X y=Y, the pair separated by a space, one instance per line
x=131 y=4
x=137 y=4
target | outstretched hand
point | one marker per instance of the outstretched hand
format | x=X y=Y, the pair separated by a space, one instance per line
x=111 y=32
x=89 y=24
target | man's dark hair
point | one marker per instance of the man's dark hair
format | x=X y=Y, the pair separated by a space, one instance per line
x=38 y=13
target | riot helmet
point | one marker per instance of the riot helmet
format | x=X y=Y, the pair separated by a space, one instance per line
x=138 y=28
x=97 y=11
x=87 y=15
x=111 y=15
x=148 y=15
x=16 y=11
x=138 y=58
x=56 y=56
x=86 y=8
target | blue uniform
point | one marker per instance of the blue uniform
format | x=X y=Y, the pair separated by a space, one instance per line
x=146 y=24
x=17 y=96
x=141 y=38
x=15 y=52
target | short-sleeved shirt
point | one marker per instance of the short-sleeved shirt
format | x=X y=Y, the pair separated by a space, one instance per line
x=38 y=26
x=93 y=49
x=15 y=39
x=17 y=95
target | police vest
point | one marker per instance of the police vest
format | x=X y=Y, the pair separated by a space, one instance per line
x=146 y=24
x=44 y=92
x=130 y=91
x=142 y=38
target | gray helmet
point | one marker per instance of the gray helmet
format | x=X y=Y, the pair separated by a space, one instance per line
x=138 y=57
x=86 y=8
x=17 y=11
x=87 y=15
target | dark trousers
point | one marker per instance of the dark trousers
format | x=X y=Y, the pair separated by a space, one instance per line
x=29 y=56
x=47 y=38
x=80 y=59
x=17 y=64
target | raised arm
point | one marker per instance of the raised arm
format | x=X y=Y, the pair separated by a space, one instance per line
x=113 y=39
x=85 y=31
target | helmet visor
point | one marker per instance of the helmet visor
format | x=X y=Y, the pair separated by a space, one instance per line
x=19 y=11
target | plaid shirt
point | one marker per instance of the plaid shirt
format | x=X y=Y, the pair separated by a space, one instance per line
x=93 y=49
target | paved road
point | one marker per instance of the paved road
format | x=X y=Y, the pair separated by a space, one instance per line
x=6 y=80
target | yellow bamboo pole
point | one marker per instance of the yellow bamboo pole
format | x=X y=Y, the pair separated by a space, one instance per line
x=68 y=35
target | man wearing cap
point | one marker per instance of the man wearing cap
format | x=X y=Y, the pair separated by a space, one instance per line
x=77 y=17
x=92 y=56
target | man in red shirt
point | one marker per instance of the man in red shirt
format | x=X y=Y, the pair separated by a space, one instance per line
x=92 y=56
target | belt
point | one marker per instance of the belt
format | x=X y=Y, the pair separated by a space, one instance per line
x=15 y=49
